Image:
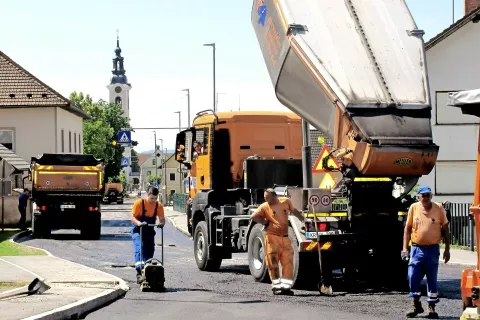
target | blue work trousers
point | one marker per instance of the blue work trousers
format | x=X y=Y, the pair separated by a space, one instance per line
x=424 y=261
x=148 y=235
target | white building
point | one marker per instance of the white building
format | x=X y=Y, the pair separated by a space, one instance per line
x=453 y=65
x=119 y=92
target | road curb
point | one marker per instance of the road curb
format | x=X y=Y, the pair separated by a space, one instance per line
x=172 y=221
x=79 y=308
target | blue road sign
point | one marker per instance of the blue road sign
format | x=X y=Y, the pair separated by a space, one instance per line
x=125 y=162
x=125 y=138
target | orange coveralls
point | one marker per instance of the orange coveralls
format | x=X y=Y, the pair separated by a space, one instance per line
x=277 y=244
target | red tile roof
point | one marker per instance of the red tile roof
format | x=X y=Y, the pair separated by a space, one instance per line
x=19 y=88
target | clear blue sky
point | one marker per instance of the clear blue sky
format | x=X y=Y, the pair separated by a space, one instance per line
x=69 y=45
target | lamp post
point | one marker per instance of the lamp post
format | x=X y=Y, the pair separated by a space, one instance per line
x=214 y=88
x=180 y=165
x=188 y=97
x=156 y=161
x=165 y=170
x=155 y=155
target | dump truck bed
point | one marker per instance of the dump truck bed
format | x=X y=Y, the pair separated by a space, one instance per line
x=67 y=173
x=351 y=67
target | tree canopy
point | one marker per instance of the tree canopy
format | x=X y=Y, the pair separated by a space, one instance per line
x=101 y=130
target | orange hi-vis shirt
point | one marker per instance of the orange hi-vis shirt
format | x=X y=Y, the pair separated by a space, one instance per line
x=149 y=209
x=277 y=216
x=426 y=225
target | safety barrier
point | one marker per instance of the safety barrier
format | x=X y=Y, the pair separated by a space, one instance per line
x=180 y=202
x=462 y=229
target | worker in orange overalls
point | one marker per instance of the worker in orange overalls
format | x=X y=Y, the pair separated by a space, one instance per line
x=273 y=213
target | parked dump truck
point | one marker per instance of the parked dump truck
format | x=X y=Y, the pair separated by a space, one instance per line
x=356 y=71
x=67 y=190
x=113 y=193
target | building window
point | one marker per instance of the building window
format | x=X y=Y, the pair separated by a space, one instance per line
x=70 y=141
x=154 y=162
x=79 y=143
x=149 y=173
x=62 y=139
x=75 y=142
x=118 y=100
x=172 y=176
x=6 y=138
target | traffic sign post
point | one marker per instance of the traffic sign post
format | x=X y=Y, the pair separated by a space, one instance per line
x=325 y=200
x=313 y=200
x=125 y=138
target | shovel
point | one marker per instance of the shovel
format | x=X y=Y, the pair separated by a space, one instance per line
x=322 y=288
x=35 y=287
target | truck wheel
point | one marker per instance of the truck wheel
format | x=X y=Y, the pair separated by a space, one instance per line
x=200 y=249
x=256 y=255
x=92 y=230
x=36 y=227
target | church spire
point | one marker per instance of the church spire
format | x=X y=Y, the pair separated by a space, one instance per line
x=118 y=72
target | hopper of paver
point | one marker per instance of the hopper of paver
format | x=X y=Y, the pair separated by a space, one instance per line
x=356 y=71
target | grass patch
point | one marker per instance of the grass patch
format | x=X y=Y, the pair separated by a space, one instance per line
x=5 y=286
x=456 y=246
x=9 y=248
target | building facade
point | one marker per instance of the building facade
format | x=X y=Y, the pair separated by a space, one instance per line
x=452 y=66
x=34 y=118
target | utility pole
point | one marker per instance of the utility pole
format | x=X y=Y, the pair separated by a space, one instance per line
x=155 y=155
x=180 y=165
x=188 y=97
x=165 y=169
x=156 y=162
x=214 y=82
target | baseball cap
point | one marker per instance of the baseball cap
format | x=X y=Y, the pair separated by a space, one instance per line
x=424 y=189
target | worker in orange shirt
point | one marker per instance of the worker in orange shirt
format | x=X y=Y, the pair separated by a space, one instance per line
x=273 y=213
x=426 y=222
x=146 y=211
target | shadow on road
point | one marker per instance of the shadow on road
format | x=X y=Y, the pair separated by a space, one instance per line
x=237 y=269
x=198 y=301
x=116 y=223
x=78 y=237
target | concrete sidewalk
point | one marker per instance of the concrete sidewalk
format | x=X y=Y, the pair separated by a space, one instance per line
x=457 y=256
x=75 y=289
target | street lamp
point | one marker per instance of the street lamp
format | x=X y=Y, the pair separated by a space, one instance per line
x=188 y=97
x=214 y=90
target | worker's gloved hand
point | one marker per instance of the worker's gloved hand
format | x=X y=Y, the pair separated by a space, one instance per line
x=160 y=225
x=142 y=224
x=405 y=256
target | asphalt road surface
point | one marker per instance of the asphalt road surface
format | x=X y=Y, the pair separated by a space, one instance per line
x=230 y=293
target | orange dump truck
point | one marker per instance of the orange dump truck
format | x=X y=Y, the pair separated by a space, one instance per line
x=67 y=190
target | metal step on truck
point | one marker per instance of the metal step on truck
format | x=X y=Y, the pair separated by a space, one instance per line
x=67 y=190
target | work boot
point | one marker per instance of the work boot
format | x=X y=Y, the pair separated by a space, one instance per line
x=431 y=311
x=416 y=309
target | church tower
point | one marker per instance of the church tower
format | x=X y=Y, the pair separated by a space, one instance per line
x=119 y=87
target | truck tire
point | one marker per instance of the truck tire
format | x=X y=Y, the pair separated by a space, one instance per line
x=93 y=229
x=256 y=255
x=200 y=249
x=40 y=228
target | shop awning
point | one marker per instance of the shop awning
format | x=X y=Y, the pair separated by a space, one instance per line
x=14 y=164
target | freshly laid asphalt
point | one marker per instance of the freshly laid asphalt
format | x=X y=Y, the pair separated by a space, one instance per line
x=230 y=293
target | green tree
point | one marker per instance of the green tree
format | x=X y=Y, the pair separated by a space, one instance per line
x=98 y=132
x=135 y=166
x=152 y=179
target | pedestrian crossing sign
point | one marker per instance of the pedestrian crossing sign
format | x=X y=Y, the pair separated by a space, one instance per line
x=125 y=162
x=124 y=138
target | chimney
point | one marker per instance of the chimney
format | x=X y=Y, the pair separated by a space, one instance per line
x=471 y=5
